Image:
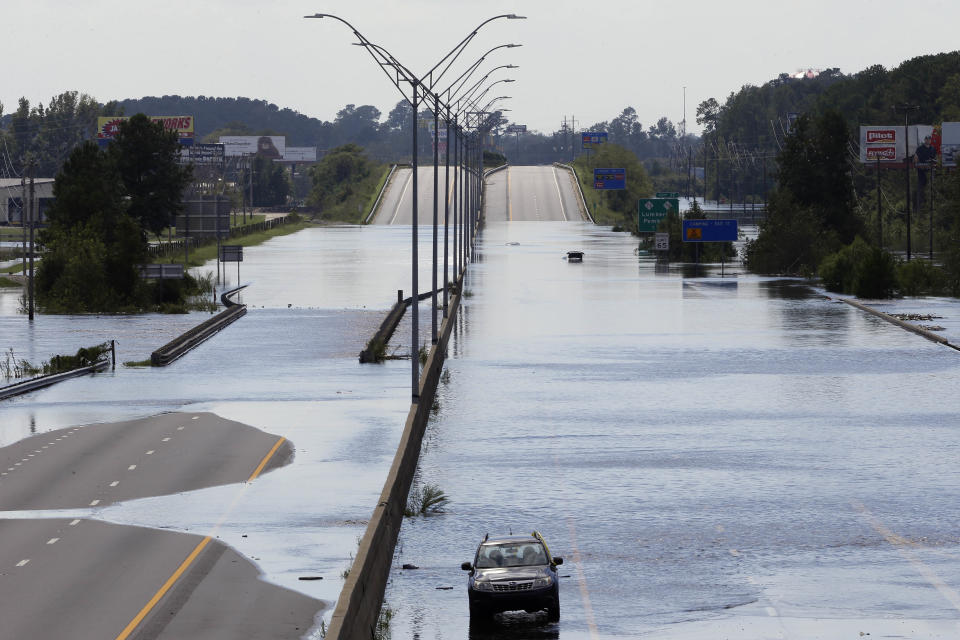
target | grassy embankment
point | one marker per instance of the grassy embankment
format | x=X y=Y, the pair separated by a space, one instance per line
x=602 y=214
x=200 y=255
x=352 y=206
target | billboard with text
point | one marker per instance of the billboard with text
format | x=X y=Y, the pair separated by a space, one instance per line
x=886 y=143
x=108 y=127
x=266 y=146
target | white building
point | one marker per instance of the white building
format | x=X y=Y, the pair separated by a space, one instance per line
x=12 y=195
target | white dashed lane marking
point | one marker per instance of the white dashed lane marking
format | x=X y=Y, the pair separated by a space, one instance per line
x=23 y=562
x=52 y=540
x=179 y=428
x=131 y=467
x=166 y=440
x=150 y=453
x=114 y=483
x=74 y=523
x=94 y=503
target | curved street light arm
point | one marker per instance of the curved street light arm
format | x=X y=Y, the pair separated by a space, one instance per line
x=503 y=66
x=470 y=70
x=457 y=50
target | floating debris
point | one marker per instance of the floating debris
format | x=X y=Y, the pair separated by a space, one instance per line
x=916 y=317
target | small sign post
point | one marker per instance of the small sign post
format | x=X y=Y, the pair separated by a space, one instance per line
x=232 y=253
x=662 y=242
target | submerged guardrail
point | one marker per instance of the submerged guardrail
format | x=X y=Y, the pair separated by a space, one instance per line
x=190 y=339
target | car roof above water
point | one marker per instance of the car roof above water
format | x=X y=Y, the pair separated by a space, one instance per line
x=508 y=540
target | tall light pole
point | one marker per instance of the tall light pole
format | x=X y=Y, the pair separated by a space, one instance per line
x=422 y=85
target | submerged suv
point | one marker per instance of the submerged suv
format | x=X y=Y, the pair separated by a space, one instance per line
x=513 y=573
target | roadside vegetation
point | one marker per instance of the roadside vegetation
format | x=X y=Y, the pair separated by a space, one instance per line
x=106 y=201
x=13 y=367
x=345 y=184
x=824 y=218
x=615 y=208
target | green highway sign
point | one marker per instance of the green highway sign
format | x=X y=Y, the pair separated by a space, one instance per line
x=650 y=211
x=668 y=194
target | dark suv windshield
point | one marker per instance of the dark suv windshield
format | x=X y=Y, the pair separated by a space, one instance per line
x=514 y=554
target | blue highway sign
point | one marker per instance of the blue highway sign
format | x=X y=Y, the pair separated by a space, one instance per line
x=709 y=230
x=610 y=179
x=589 y=138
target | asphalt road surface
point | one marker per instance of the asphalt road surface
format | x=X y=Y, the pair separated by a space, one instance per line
x=65 y=575
x=537 y=193
x=397 y=204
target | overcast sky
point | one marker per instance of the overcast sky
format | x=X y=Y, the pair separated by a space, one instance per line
x=584 y=59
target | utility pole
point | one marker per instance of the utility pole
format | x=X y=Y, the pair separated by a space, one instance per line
x=30 y=302
x=23 y=220
x=906 y=109
x=251 y=193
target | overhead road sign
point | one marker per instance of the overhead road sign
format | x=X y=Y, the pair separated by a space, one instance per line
x=709 y=230
x=516 y=128
x=667 y=194
x=650 y=211
x=590 y=138
x=610 y=179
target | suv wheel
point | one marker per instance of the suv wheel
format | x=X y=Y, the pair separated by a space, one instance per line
x=553 y=610
x=478 y=613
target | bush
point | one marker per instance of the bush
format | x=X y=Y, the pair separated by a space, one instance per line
x=861 y=270
x=920 y=277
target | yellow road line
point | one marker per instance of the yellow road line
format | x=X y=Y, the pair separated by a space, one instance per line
x=266 y=459
x=196 y=551
x=163 y=590
x=903 y=546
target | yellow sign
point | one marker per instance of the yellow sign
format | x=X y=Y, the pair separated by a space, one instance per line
x=109 y=127
x=694 y=233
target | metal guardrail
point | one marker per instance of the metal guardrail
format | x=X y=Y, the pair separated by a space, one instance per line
x=40 y=382
x=487 y=172
x=584 y=209
x=192 y=338
x=383 y=189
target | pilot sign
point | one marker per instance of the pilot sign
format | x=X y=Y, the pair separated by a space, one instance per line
x=610 y=179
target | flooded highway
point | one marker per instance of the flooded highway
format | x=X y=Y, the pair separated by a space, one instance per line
x=735 y=457
x=712 y=457
x=289 y=368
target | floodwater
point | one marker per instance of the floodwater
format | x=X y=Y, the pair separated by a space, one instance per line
x=736 y=457
x=288 y=367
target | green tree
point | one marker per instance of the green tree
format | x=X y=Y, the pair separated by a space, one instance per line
x=812 y=212
x=93 y=244
x=270 y=184
x=153 y=182
x=638 y=182
x=344 y=183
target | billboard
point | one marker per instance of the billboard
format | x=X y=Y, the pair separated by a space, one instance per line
x=108 y=127
x=266 y=146
x=950 y=143
x=299 y=154
x=206 y=155
x=886 y=143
